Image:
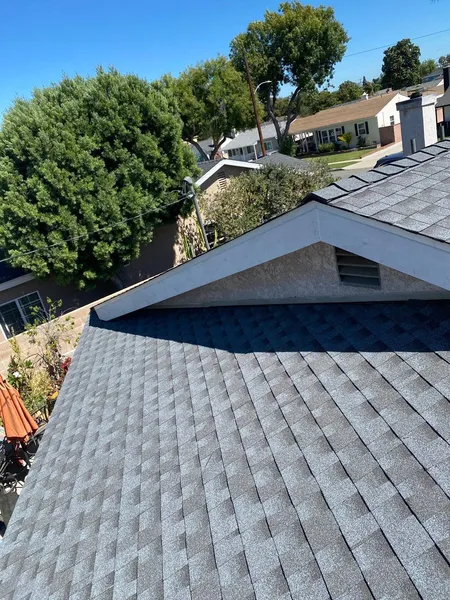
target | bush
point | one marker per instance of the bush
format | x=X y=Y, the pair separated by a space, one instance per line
x=362 y=142
x=326 y=147
x=252 y=198
x=346 y=138
x=288 y=147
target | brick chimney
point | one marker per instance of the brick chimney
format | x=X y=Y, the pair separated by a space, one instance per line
x=418 y=123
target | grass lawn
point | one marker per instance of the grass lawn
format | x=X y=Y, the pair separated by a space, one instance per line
x=340 y=157
x=340 y=165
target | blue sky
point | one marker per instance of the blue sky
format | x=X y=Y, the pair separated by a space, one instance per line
x=42 y=40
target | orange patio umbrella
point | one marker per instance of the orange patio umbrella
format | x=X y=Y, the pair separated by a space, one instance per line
x=17 y=421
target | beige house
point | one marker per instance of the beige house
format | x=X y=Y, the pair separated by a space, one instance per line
x=375 y=119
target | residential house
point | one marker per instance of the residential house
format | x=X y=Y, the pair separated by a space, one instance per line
x=246 y=145
x=207 y=147
x=375 y=119
x=269 y=420
x=443 y=104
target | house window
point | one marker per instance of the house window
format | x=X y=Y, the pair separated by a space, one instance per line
x=362 y=129
x=268 y=146
x=356 y=270
x=338 y=131
x=332 y=135
x=392 y=120
x=16 y=314
x=324 y=136
x=249 y=149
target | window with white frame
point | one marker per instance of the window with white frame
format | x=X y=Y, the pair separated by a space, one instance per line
x=330 y=135
x=249 y=149
x=268 y=145
x=15 y=315
x=392 y=120
x=362 y=129
x=338 y=131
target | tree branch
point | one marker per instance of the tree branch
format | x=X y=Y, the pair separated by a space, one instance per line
x=216 y=148
x=291 y=114
x=273 y=118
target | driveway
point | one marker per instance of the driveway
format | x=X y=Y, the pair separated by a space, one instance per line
x=368 y=162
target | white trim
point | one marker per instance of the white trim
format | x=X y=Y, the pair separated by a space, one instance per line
x=20 y=309
x=410 y=253
x=14 y=282
x=226 y=162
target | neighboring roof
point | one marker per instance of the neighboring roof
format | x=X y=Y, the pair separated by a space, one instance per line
x=444 y=100
x=206 y=165
x=413 y=193
x=269 y=452
x=8 y=273
x=220 y=164
x=251 y=136
x=351 y=111
x=367 y=214
x=276 y=158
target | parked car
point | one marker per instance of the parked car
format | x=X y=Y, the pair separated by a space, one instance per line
x=388 y=159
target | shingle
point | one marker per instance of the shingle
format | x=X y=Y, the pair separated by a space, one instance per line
x=287 y=487
x=350 y=184
x=329 y=193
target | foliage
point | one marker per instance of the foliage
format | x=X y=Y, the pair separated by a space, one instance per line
x=297 y=45
x=444 y=60
x=33 y=385
x=86 y=168
x=288 y=147
x=213 y=100
x=328 y=147
x=362 y=142
x=252 y=198
x=346 y=138
x=427 y=67
x=370 y=87
x=47 y=335
x=401 y=65
x=348 y=91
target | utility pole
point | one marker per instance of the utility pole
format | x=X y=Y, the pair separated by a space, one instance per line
x=188 y=190
x=255 y=108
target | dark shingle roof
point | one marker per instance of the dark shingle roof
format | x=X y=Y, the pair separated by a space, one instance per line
x=413 y=193
x=277 y=451
x=207 y=165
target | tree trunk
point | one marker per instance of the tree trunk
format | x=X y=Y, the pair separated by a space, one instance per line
x=290 y=117
x=216 y=148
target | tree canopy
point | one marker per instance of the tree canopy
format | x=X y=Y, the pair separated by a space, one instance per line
x=401 y=65
x=444 y=60
x=253 y=198
x=297 y=45
x=349 y=91
x=79 y=163
x=428 y=66
x=213 y=100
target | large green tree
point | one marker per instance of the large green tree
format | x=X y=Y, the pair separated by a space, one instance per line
x=213 y=100
x=86 y=169
x=444 y=60
x=428 y=66
x=401 y=65
x=297 y=45
x=348 y=91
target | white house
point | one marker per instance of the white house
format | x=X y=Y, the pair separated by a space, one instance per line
x=246 y=145
x=375 y=119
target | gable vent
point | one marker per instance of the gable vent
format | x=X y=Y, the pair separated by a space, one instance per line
x=356 y=270
x=222 y=179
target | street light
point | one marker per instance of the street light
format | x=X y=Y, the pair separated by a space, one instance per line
x=262 y=83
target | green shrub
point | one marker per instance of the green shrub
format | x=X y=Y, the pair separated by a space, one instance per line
x=326 y=147
x=362 y=142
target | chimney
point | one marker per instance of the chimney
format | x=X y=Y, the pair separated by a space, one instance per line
x=446 y=71
x=364 y=96
x=418 y=123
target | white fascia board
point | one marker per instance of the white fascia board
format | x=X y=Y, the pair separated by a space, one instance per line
x=402 y=250
x=410 y=253
x=293 y=230
x=226 y=163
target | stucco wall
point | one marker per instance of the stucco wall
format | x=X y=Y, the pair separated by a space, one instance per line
x=212 y=185
x=308 y=275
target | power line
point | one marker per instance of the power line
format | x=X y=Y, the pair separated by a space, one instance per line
x=419 y=37
x=86 y=235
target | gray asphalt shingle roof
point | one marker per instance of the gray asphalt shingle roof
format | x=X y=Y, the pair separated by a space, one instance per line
x=276 y=158
x=241 y=452
x=412 y=193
